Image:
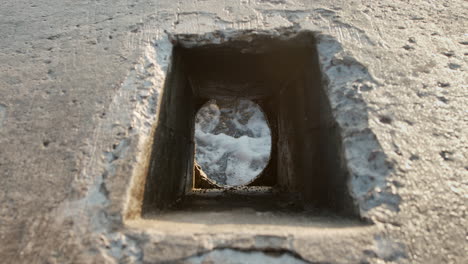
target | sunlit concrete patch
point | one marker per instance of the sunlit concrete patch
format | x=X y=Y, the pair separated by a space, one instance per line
x=232 y=256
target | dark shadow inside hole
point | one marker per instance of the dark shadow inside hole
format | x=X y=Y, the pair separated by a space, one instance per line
x=283 y=77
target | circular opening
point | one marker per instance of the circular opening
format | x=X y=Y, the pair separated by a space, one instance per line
x=233 y=141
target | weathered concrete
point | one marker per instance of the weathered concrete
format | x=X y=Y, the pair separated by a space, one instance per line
x=80 y=87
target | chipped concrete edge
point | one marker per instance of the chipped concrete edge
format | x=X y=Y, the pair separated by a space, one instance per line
x=134 y=111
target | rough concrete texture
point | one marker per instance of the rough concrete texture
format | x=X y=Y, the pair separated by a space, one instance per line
x=79 y=90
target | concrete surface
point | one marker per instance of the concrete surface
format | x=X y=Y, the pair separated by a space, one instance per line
x=79 y=89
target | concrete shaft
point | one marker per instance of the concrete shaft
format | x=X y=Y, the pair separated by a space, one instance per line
x=82 y=91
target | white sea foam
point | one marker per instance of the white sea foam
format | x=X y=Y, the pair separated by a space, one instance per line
x=233 y=141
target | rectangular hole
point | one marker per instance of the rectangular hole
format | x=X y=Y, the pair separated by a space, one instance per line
x=301 y=181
